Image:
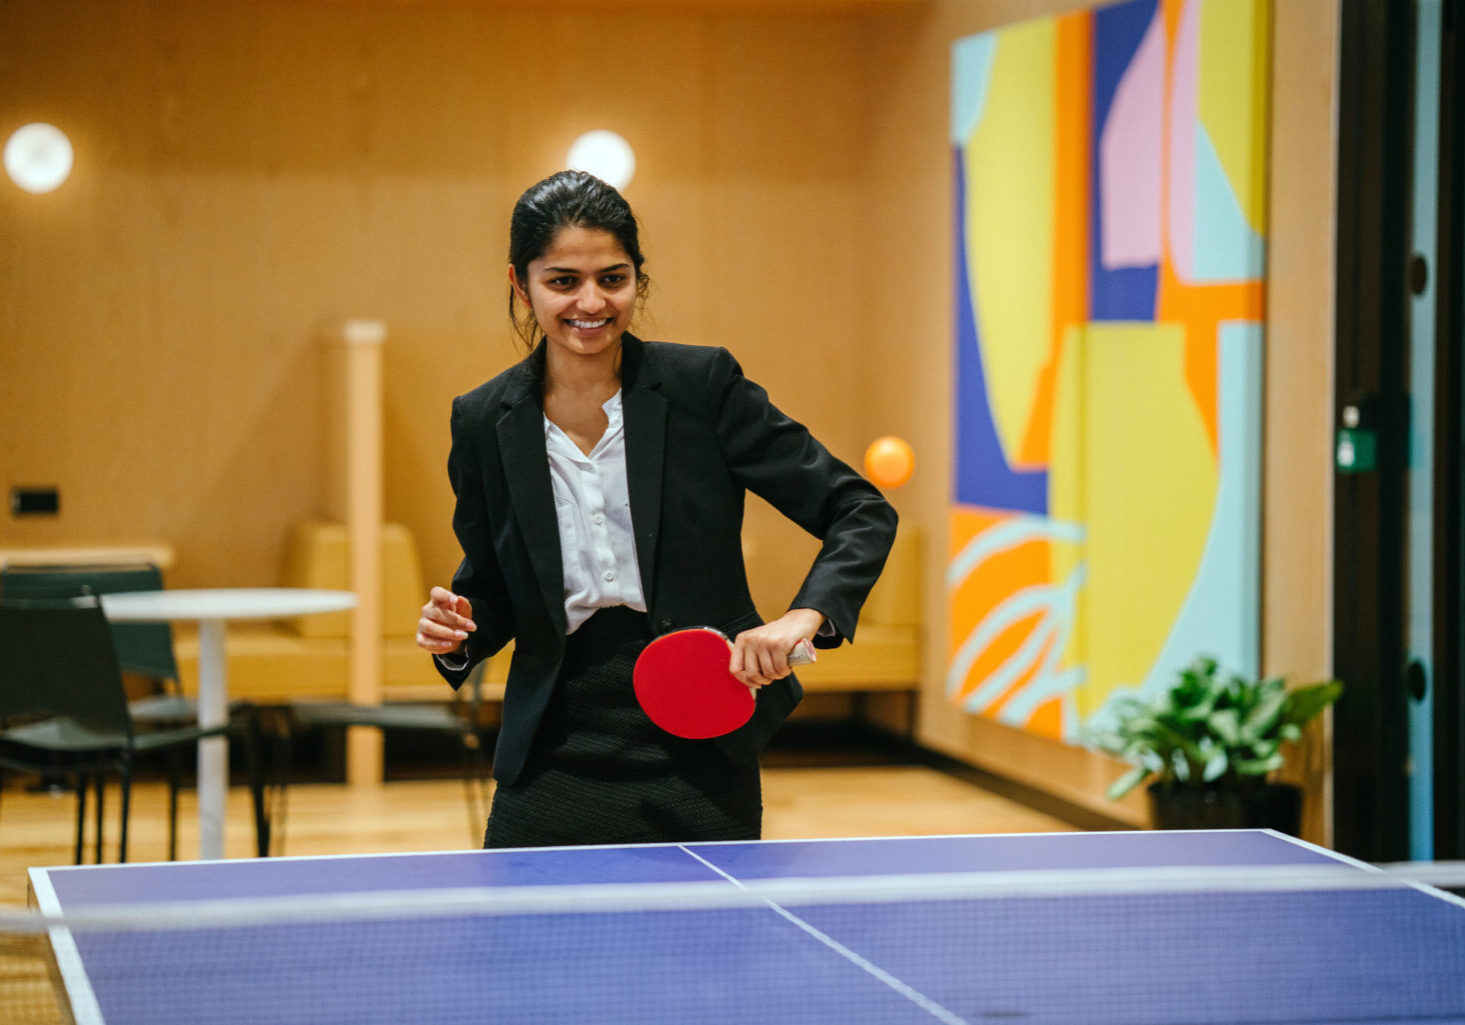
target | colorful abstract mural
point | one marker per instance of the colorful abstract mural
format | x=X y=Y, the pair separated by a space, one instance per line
x=1110 y=214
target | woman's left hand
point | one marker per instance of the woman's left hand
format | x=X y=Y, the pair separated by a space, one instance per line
x=760 y=655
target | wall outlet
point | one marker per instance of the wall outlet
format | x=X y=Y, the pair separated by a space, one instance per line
x=38 y=501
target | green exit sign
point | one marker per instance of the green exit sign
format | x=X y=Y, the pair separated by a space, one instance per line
x=1356 y=450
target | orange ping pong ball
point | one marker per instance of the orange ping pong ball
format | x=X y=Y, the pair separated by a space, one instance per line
x=889 y=461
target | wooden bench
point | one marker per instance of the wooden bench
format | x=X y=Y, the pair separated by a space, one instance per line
x=308 y=657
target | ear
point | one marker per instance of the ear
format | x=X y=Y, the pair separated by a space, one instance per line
x=519 y=287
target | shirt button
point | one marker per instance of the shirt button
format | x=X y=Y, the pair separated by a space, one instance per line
x=610 y=575
x=599 y=519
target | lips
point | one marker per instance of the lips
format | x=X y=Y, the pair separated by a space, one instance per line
x=589 y=325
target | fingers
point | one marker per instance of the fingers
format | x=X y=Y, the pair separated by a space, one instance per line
x=447 y=619
x=759 y=657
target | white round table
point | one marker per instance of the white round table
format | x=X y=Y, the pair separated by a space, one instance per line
x=212 y=609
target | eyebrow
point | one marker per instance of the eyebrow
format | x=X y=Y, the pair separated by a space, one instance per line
x=576 y=270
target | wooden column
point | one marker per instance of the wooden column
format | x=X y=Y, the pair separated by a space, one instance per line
x=362 y=341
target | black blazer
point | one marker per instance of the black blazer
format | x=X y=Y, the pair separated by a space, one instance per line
x=698 y=435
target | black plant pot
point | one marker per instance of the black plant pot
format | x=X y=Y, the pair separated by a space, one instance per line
x=1263 y=806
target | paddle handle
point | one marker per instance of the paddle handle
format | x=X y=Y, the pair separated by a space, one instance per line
x=802 y=655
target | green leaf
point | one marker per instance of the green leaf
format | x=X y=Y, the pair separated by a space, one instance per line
x=1124 y=784
x=1303 y=704
x=1265 y=748
x=1262 y=719
x=1258 y=766
x=1226 y=724
x=1216 y=767
x=1177 y=741
x=1200 y=711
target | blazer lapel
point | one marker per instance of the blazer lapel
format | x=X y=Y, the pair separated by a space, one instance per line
x=645 y=411
x=526 y=473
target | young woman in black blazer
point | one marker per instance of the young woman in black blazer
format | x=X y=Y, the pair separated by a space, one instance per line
x=600 y=486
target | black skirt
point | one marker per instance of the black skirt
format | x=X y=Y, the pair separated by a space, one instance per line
x=601 y=772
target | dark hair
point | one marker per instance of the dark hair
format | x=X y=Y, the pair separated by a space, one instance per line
x=569 y=199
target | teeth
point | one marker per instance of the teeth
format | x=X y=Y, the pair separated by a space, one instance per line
x=590 y=323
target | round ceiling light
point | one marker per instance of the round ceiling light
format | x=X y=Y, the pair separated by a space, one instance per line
x=38 y=157
x=605 y=155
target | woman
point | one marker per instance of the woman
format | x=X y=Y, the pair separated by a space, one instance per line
x=600 y=486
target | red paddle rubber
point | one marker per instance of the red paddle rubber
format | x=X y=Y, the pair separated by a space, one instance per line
x=683 y=685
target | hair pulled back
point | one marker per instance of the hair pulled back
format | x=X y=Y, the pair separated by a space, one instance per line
x=568 y=199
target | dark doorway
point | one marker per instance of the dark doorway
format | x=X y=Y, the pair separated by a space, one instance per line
x=1398 y=524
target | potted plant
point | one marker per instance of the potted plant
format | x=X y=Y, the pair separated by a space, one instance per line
x=1211 y=743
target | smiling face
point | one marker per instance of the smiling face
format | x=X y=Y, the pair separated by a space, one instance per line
x=582 y=291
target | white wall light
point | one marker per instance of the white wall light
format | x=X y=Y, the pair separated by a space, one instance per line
x=605 y=155
x=38 y=157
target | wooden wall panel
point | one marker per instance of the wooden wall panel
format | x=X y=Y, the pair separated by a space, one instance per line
x=250 y=175
x=1297 y=615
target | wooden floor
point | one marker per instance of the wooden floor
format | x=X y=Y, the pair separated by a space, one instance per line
x=799 y=802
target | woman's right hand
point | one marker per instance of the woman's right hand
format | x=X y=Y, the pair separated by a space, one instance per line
x=447 y=619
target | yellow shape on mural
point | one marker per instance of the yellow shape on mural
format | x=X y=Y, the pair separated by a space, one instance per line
x=1065 y=463
x=1132 y=462
x=1233 y=85
x=1010 y=206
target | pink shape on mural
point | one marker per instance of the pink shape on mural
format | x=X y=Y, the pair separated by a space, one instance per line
x=1131 y=163
x=1184 y=101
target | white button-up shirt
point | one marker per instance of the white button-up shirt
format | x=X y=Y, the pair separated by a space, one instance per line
x=593 y=506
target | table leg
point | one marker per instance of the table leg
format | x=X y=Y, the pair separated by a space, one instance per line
x=213 y=753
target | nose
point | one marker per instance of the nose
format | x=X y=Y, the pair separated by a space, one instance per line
x=590 y=299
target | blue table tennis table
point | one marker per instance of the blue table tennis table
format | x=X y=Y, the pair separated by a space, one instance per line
x=1364 y=956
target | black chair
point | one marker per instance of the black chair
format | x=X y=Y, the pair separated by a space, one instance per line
x=64 y=706
x=143 y=649
x=459 y=719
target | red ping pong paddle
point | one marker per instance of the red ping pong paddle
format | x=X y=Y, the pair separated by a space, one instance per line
x=683 y=684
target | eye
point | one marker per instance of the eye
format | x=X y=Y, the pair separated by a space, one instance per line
x=613 y=280
x=564 y=281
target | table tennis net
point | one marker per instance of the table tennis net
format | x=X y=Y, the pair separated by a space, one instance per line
x=1329 y=944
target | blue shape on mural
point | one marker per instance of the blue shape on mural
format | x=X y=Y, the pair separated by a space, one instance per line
x=971 y=73
x=1233 y=251
x=983 y=475
x=1121 y=293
